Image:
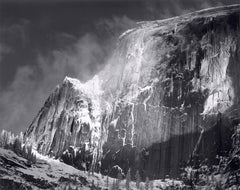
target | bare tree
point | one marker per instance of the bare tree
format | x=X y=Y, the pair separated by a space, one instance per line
x=147 y=183
x=138 y=179
x=128 y=179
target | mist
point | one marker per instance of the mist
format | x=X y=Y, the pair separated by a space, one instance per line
x=32 y=83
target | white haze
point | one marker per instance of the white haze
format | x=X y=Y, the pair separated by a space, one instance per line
x=32 y=84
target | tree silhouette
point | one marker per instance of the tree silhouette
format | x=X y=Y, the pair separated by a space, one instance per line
x=128 y=179
x=138 y=179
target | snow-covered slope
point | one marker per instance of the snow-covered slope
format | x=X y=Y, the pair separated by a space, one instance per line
x=170 y=88
x=48 y=173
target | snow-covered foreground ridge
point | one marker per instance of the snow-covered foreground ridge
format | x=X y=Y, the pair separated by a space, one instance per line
x=50 y=173
x=168 y=87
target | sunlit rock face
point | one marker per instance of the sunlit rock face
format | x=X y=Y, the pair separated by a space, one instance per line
x=69 y=117
x=169 y=93
x=177 y=82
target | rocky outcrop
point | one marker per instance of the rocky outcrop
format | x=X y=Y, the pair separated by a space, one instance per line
x=69 y=117
x=169 y=93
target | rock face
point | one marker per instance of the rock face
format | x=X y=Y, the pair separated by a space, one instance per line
x=69 y=117
x=169 y=95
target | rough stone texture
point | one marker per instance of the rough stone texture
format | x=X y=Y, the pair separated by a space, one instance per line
x=68 y=118
x=170 y=92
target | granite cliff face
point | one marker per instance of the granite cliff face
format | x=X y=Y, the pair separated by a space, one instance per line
x=169 y=95
x=69 y=118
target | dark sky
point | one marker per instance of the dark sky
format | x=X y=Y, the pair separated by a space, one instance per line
x=42 y=41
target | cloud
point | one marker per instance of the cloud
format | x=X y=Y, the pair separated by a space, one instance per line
x=116 y=25
x=20 y=102
x=165 y=9
x=32 y=84
x=80 y=60
x=4 y=49
x=15 y=33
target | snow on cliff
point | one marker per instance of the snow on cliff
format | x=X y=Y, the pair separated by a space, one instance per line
x=166 y=82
